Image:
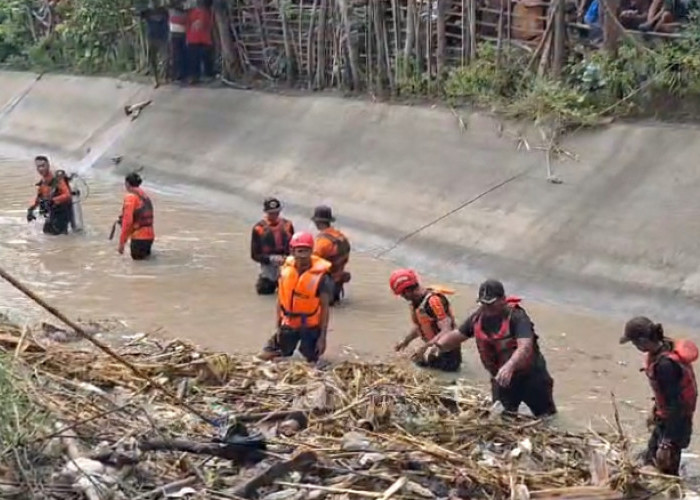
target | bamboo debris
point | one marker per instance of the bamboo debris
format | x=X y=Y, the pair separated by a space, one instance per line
x=366 y=430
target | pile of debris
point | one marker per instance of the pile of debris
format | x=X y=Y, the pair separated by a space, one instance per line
x=89 y=428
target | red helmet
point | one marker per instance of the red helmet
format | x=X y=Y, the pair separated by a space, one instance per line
x=302 y=240
x=401 y=279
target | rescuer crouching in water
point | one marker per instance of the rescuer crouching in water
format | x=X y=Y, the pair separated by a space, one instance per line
x=53 y=199
x=136 y=219
x=431 y=315
x=269 y=245
x=333 y=246
x=303 y=303
x=672 y=378
x=508 y=348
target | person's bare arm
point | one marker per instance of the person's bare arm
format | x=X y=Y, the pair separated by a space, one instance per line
x=412 y=335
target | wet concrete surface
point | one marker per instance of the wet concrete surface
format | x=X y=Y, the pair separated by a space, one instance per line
x=199 y=286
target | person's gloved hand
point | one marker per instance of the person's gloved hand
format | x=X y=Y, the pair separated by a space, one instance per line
x=277 y=260
x=30 y=215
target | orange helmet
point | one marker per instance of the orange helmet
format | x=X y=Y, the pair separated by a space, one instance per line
x=302 y=240
x=401 y=279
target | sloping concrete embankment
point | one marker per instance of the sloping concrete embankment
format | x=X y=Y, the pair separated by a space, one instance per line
x=622 y=233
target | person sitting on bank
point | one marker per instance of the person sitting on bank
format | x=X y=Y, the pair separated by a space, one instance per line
x=508 y=348
x=136 y=219
x=333 y=246
x=672 y=378
x=53 y=199
x=269 y=245
x=303 y=303
x=431 y=315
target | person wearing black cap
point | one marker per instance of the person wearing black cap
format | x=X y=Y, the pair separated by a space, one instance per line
x=672 y=378
x=333 y=246
x=136 y=219
x=509 y=349
x=269 y=245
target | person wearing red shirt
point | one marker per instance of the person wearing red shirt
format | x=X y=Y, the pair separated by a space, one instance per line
x=200 y=48
x=136 y=219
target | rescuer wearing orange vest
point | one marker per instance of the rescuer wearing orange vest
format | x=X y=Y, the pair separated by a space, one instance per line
x=269 y=245
x=333 y=246
x=136 y=219
x=431 y=315
x=53 y=199
x=303 y=303
x=508 y=348
x=672 y=378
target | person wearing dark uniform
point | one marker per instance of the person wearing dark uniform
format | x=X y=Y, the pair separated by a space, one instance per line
x=509 y=349
x=303 y=303
x=672 y=378
x=53 y=199
x=431 y=315
x=136 y=219
x=269 y=245
x=332 y=245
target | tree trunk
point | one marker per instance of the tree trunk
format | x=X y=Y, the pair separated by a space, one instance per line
x=321 y=48
x=231 y=64
x=611 y=33
x=382 y=73
x=408 y=55
x=354 y=58
x=441 y=38
x=290 y=67
x=559 y=40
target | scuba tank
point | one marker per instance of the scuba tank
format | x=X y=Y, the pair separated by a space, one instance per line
x=76 y=220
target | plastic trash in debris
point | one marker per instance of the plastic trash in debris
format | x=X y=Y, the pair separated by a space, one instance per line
x=354 y=441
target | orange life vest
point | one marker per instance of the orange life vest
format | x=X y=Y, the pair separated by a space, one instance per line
x=427 y=324
x=275 y=238
x=143 y=215
x=496 y=350
x=341 y=249
x=684 y=353
x=300 y=305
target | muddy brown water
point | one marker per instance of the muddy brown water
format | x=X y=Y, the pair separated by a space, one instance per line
x=199 y=286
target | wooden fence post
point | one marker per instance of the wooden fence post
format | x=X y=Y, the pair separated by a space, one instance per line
x=559 y=39
x=230 y=61
x=353 y=54
x=290 y=67
x=441 y=38
x=611 y=33
x=473 y=39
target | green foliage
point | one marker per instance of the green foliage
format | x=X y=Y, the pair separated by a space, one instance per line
x=94 y=36
x=15 y=33
x=412 y=80
x=553 y=101
x=485 y=79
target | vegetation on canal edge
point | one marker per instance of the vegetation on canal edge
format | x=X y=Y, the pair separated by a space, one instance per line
x=106 y=37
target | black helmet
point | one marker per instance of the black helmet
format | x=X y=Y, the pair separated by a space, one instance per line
x=323 y=213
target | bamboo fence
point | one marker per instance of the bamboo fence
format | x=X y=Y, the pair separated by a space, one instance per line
x=375 y=44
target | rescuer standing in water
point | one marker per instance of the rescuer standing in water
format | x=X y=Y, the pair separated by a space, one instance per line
x=136 y=219
x=508 y=348
x=269 y=245
x=669 y=369
x=431 y=315
x=53 y=199
x=303 y=303
x=333 y=246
